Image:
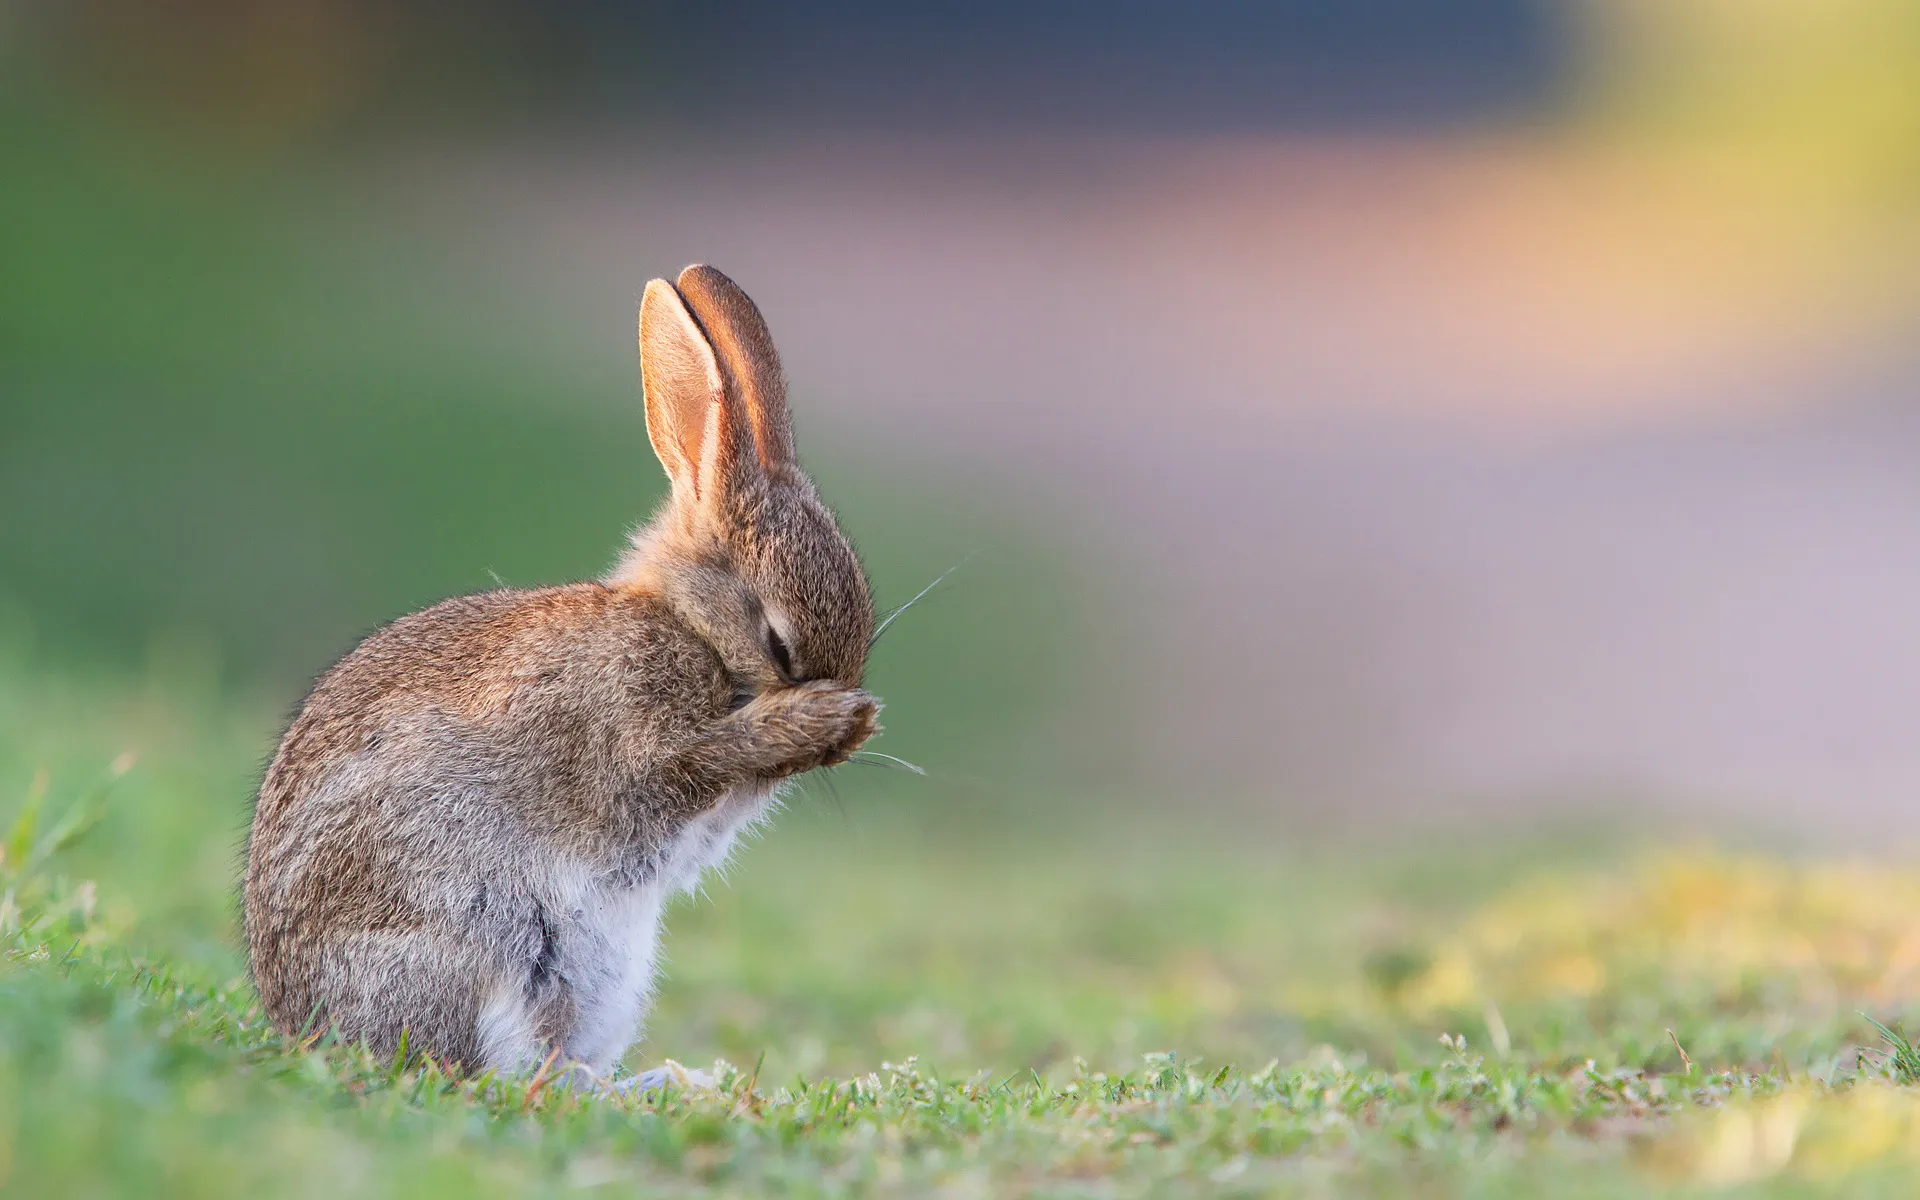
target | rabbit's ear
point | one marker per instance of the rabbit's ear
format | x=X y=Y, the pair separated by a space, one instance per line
x=696 y=428
x=748 y=362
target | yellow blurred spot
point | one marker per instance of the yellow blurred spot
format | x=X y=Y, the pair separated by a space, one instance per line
x=1810 y=1133
x=1829 y=936
x=1745 y=1142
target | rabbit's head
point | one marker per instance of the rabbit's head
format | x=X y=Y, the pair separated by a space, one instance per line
x=744 y=550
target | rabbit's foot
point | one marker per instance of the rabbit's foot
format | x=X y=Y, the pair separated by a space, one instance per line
x=669 y=1074
x=825 y=722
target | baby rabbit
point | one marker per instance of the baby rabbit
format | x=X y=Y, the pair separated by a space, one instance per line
x=470 y=829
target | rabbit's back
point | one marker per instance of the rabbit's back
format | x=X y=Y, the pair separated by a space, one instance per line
x=448 y=778
x=540 y=692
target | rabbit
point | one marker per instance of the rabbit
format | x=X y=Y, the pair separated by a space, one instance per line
x=464 y=843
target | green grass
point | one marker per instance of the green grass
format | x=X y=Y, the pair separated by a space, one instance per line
x=911 y=1006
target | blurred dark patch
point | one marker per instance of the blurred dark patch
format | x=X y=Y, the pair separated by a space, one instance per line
x=1136 y=65
x=1209 y=65
x=1389 y=971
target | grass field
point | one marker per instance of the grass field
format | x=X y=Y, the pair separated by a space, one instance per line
x=974 y=1010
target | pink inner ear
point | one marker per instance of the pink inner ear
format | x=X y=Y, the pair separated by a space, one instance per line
x=713 y=441
x=682 y=385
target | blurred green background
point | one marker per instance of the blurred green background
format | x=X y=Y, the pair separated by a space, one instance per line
x=1345 y=416
x=250 y=416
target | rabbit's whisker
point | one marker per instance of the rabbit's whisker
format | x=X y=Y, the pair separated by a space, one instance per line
x=873 y=758
x=893 y=616
x=833 y=789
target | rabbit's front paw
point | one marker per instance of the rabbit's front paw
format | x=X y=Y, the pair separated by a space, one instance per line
x=863 y=724
x=829 y=723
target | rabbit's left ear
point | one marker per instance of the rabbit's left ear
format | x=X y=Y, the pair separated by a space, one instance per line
x=696 y=425
x=747 y=360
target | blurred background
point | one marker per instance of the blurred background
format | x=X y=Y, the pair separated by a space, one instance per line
x=1352 y=417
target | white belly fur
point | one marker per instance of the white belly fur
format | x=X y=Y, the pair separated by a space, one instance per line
x=611 y=940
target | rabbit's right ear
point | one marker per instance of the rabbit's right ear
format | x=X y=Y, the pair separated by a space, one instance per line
x=748 y=362
x=695 y=428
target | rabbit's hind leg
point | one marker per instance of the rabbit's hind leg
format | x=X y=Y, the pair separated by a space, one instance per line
x=415 y=988
x=506 y=1030
x=528 y=1007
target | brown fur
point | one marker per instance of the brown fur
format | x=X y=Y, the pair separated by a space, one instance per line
x=442 y=776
